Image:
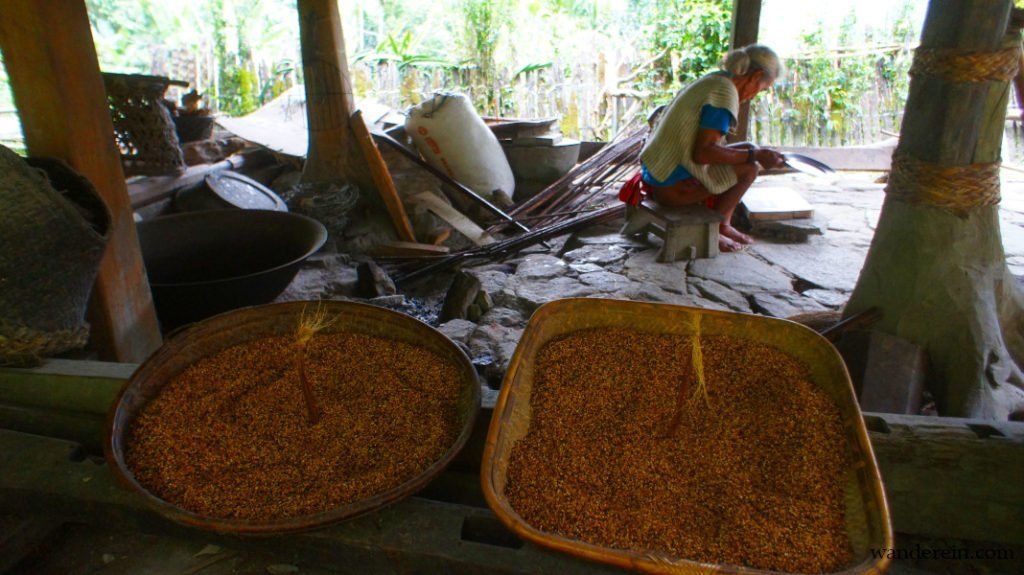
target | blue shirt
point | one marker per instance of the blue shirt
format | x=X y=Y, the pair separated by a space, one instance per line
x=711 y=118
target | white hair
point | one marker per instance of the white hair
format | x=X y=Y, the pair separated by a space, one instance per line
x=752 y=58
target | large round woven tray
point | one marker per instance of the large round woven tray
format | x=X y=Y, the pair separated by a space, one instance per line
x=223 y=331
x=867 y=513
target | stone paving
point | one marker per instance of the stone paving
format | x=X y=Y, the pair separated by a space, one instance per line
x=771 y=278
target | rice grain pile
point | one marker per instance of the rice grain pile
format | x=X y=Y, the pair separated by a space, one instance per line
x=230 y=437
x=621 y=453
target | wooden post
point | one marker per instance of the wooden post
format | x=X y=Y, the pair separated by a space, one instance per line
x=746 y=19
x=333 y=153
x=51 y=61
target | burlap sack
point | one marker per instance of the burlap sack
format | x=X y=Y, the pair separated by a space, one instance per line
x=53 y=229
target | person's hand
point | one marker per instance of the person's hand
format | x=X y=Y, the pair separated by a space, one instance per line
x=769 y=159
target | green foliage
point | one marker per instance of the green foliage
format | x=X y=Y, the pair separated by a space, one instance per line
x=834 y=97
x=689 y=35
x=484 y=21
x=227 y=43
x=599 y=64
x=403 y=52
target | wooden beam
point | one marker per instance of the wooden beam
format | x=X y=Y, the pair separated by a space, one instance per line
x=746 y=20
x=944 y=477
x=55 y=78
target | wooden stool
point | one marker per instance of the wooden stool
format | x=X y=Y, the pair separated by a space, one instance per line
x=689 y=232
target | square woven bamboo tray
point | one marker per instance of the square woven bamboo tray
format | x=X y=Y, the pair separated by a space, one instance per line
x=867 y=513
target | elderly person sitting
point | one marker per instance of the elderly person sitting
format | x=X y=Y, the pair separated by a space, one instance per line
x=686 y=160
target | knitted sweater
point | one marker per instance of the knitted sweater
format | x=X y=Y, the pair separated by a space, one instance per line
x=672 y=141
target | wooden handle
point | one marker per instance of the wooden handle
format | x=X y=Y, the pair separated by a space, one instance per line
x=857 y=321
x=382 y=178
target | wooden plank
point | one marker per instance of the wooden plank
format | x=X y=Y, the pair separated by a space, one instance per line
x=63 y=384
x=872 y=158
x=746 y=20
x=152 y=189
x=415 y=535
x=455 y=218
x=382 y=179
x=55 y=78
x=22 y=538
x=776 y=203
x=409 y=249
x=945 y=477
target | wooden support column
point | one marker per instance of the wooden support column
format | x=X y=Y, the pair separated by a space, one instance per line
x=333 y=152
x=55 y=77
x=746 y=19
x=340 y=146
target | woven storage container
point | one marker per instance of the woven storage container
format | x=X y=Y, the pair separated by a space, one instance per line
x=53 y=228
x=867 y=514
x=143 y=126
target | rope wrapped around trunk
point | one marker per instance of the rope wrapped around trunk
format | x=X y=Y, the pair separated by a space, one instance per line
x=955 y=66
x=956 y=189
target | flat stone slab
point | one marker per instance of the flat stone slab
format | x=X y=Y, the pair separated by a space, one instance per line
x=606 y=282
x=527 y=294
x=828 y=298
x=844 y=218
x=540 y=267
x=507 y=317
x=716 y=292
x=599 y=254
x=783 y=305
x=1013 y=238
x=643 y=267
x=742 y=272
x=791 y=231
x=458 y=329
x=605 y=238
x=818 y=261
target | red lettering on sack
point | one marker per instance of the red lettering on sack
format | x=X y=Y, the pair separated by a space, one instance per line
x=433 y=145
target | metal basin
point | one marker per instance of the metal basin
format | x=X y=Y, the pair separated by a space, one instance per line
x=203 y=263
x=215 y=334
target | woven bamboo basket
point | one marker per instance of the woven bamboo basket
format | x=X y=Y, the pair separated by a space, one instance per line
x=143 y=126
x=867 y=513
x=220 y=332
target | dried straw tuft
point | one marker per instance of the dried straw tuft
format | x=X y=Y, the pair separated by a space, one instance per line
x=309 y=325
x=701 y=390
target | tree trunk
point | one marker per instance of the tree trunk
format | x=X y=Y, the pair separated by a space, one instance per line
x=333 y=154
x=941 y=277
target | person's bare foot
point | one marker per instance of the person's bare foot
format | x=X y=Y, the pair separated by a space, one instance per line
x=728 y=245
x=734 y=234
